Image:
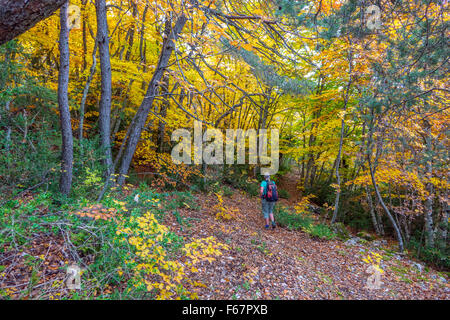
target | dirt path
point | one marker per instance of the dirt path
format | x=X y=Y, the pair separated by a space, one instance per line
x=289 y=182
x=283 y=264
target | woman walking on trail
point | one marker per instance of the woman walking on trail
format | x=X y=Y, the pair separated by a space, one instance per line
x=269 y=196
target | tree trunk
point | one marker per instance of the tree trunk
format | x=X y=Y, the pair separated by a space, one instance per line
x=379 y=218
x=445 y=222
x=429 y=238
x=380 y=199
x=86 y=91
x=8 y=102
x=152 y=91
x=372 y=212
x=84 y=33
x=105 y=66
x=131 y=33
x=338 y=177
x=18 y=16
x=63 y=101
x=163 y=113
x=341 y=139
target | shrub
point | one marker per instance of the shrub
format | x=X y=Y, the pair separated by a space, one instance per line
x=341 y=231
x=252 y=189
x=227 y=191
x=224 y=212
x=285 y=165
x=438 y=256
x=129 y=255
x=152 y=269
x=290 y=220
x=302 y=221
x=283 y=194
x=321 y=231
x=182 y=200
x=323 y=191
x=302 y=207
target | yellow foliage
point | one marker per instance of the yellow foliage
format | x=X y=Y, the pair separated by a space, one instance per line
x=152 y=265
x=374 y=259
x=302 y=206
x=224 y=212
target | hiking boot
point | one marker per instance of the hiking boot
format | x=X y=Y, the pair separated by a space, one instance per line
x=267 y=227
x=273 y=225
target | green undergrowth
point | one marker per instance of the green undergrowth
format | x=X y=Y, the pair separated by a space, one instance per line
x=108 y=258
x=286 y=217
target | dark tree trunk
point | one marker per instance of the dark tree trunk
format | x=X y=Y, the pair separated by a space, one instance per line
x=429 y=239
x=164 y=106
x=391 y=218
x=144 y=109
x=341 y=140
x=84 y=33
x=18 y=16
x=338 y=177
x=131 y=33
x=105 y=67
x=372 y=211
x=86 y=91
x=63 y=101
x=372 y=169
x=8 y=102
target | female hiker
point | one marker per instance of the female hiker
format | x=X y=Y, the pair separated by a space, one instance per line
x=269 y=196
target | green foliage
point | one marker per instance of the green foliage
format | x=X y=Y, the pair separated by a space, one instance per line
x=227 y=191
x=93 y=178
x=287 y=218
x=238 y=177
x=234 y=174
x=366 y=236
x=356 y=215
x=285 y=165
x=98 y=239
x=323 y=191
x=252 y=189
x=84 y=242
x=27 y=133
x=263 y=248
x=30 y=148
x=212 y=186
x=320 y=231
x=268 y=73
x=161 y=203
x=283 y=194
x=18 y=220
x=341 y=231
x=295 y=221
x=439 y=255
x=180 y=200
x=30 y=161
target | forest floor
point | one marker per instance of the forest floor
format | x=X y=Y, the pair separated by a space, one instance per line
x=260 y=264
x=284 y=264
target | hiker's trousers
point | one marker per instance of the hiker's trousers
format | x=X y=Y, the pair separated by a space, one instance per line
x=267 y=208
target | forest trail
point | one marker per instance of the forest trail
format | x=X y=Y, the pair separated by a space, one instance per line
x=289 y=183
x=284 y=264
